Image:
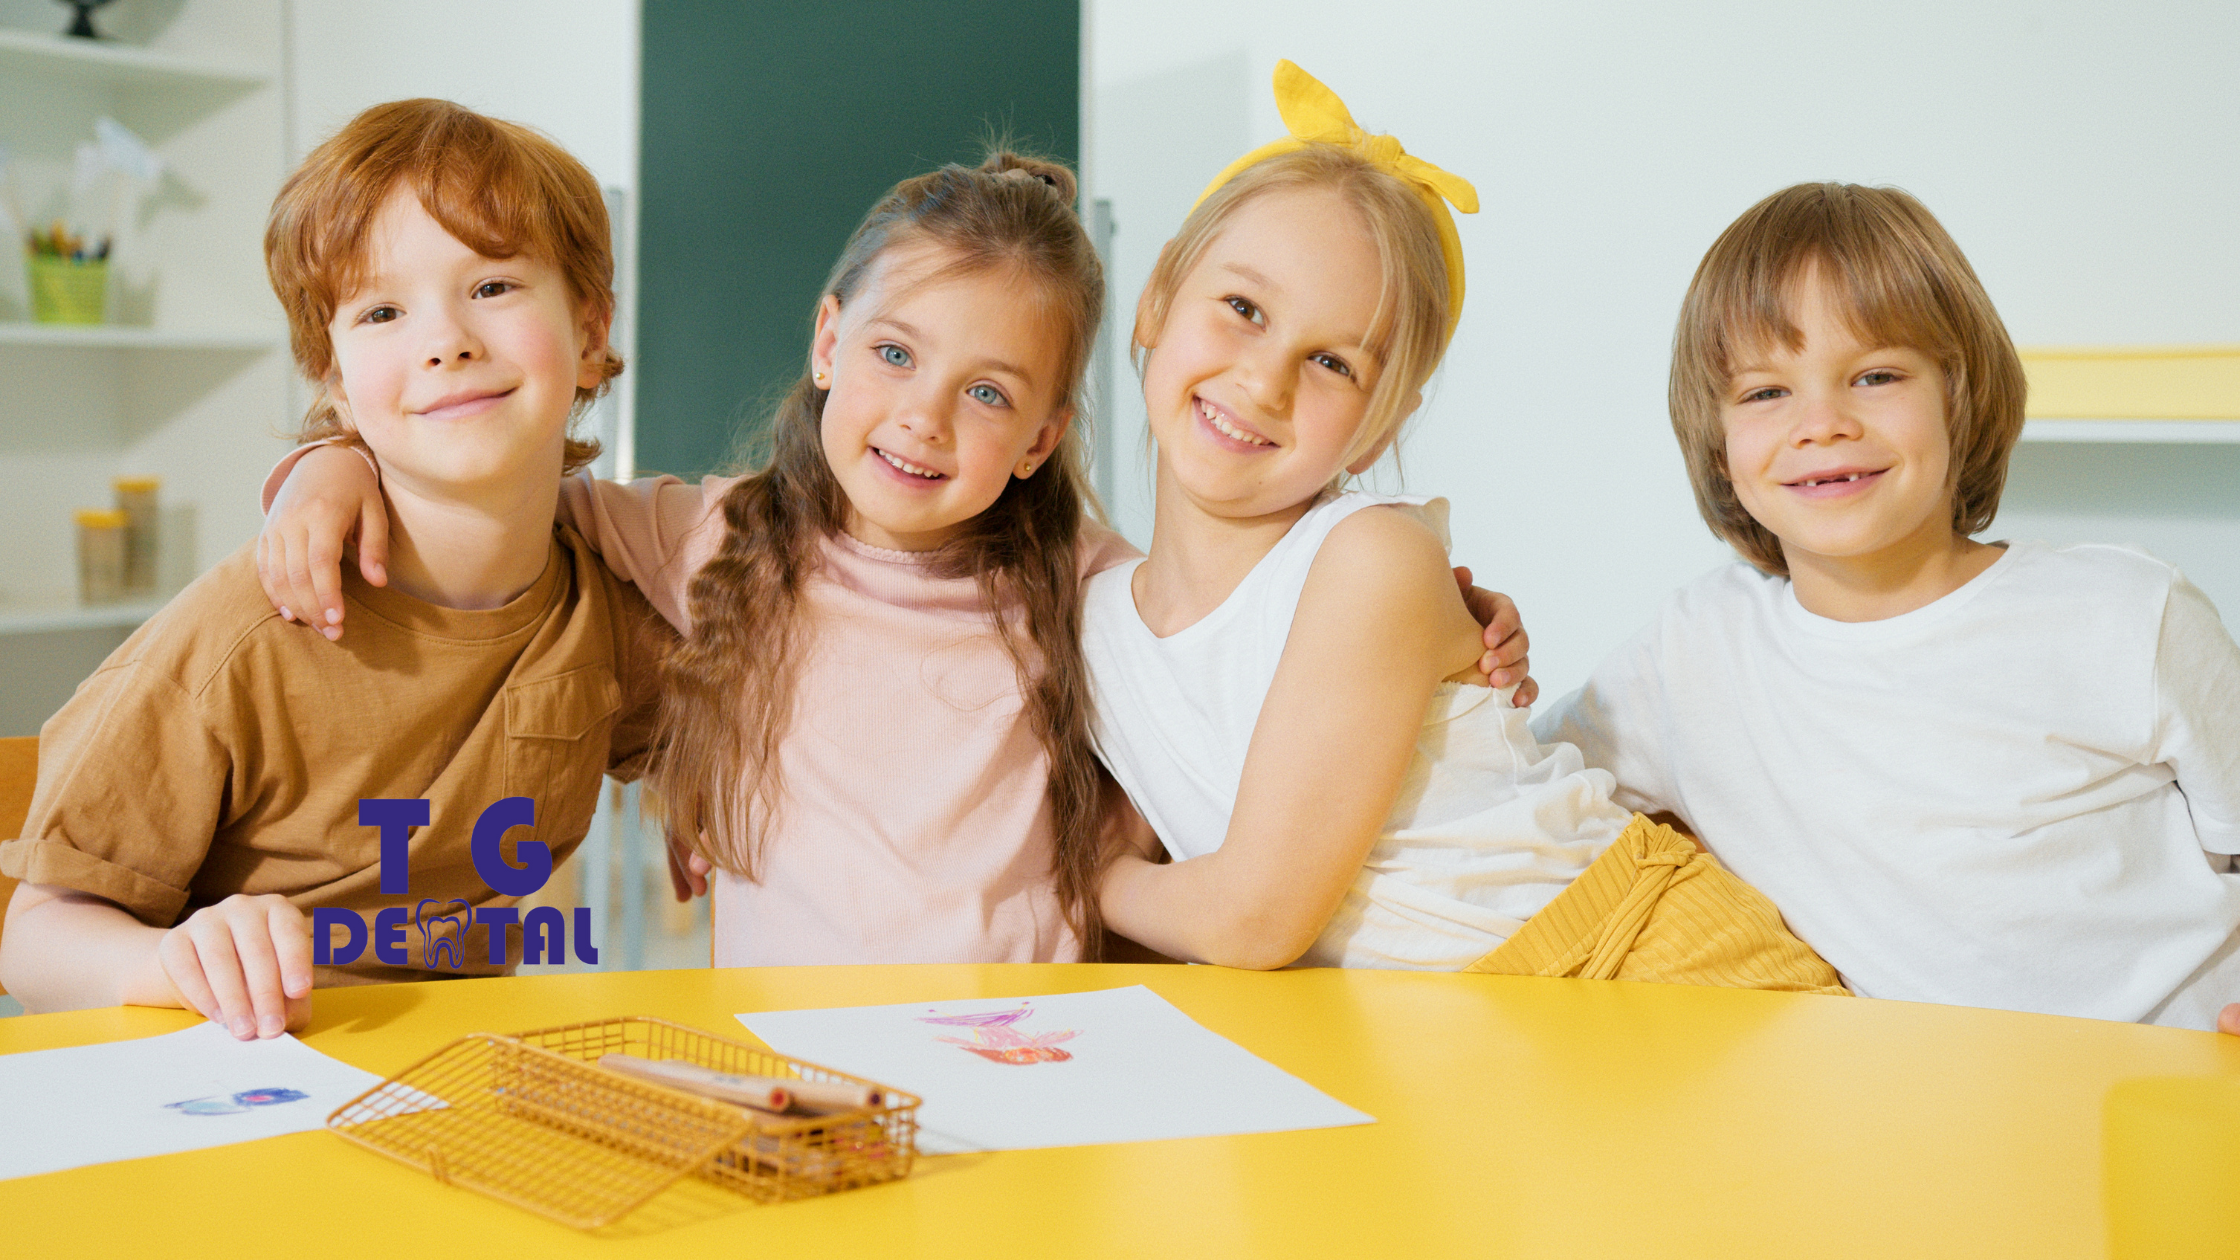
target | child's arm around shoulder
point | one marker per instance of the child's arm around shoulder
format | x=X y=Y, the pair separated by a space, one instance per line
x=1379 y=625
x=1507 y=648
x=654 y=532
x=320 y=494
x=314 y=499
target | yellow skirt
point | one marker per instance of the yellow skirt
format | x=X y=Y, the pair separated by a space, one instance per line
x=1655 y=907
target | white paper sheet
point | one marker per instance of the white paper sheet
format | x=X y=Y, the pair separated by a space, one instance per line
x=178 y=1092
x=1066 y=1069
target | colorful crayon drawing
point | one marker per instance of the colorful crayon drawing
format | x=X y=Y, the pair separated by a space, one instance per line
x=995 y=1038
x=233 y=1104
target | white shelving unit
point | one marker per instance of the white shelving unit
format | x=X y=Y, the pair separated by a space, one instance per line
x=2118 y=431
x=190 y=381
x=60 y=59
x=126 y=337
x=65 y=613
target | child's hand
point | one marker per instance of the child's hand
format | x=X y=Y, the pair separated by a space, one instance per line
x=244 y=963
x=2229 y=1021
x=1507 y=645
x=330 y=492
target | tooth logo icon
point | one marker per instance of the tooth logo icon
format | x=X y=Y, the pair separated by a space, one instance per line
x=443 y=935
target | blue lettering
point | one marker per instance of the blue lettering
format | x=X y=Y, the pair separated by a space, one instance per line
x=324 y=919
x=585 y=951
x=498 y=919
x=396 y=818
x=544 y=938
x=544 y=932
x=388 y=935
x=504 y=878
x=443 y=936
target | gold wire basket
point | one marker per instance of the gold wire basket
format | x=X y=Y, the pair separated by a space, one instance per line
x=532 y=1120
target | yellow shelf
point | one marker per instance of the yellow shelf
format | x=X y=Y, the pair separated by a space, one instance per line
x=2161 y=384
x=2132 y=431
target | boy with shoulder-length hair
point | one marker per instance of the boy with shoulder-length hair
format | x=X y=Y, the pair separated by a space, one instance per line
x=1992 y=774
x=447 y=279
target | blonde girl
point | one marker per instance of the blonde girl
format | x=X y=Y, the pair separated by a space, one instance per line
x=876 y=728
x=1285 y=685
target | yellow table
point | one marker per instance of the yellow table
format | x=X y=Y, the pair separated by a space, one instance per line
x=1516 y=1117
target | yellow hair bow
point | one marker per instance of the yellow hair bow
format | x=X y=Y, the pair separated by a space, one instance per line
x=1315 y=115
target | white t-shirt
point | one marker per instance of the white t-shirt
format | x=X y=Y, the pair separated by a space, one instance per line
x=1487 y=828
x=2024 y=795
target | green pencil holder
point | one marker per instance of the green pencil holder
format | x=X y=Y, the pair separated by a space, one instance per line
x=67 y=292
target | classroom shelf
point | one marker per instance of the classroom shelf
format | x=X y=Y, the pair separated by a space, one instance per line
x=2123 y=431
x=123 y=337
x=85 y=62
x=35 y=617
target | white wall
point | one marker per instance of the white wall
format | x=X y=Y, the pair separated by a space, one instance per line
x=2082 y=155
x=566 y=67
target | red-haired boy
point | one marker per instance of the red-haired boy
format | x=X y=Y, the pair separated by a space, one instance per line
x=447 y=279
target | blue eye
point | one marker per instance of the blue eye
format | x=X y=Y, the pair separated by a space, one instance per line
x=988 y=395
x=894 y=355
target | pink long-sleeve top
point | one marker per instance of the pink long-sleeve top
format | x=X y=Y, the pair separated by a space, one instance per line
x=914 y=824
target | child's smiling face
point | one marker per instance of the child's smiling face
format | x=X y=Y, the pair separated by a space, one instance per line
x=459 y=371
x=1839 y=448
x=942 y=389
x=1260 y=378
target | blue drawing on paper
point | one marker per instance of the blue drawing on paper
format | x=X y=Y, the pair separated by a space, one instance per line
x=234 y=1104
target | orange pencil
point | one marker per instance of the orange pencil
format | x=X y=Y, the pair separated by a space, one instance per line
x=759 y=1092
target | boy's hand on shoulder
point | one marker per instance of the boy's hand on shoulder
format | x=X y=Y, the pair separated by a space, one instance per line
x=330 y=493
x=2229 y=1021
x=244 y=963
x=1507 y=658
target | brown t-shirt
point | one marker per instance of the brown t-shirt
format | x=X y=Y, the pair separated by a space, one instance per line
x=222 y=750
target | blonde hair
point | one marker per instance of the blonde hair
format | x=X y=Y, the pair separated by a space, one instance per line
x=501 y=189
x=1899 y=280
x=1410 y=331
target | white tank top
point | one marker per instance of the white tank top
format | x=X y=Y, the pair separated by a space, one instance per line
x=1489 y=824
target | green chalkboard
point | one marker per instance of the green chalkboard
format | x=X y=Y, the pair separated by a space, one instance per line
x=769 y=128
